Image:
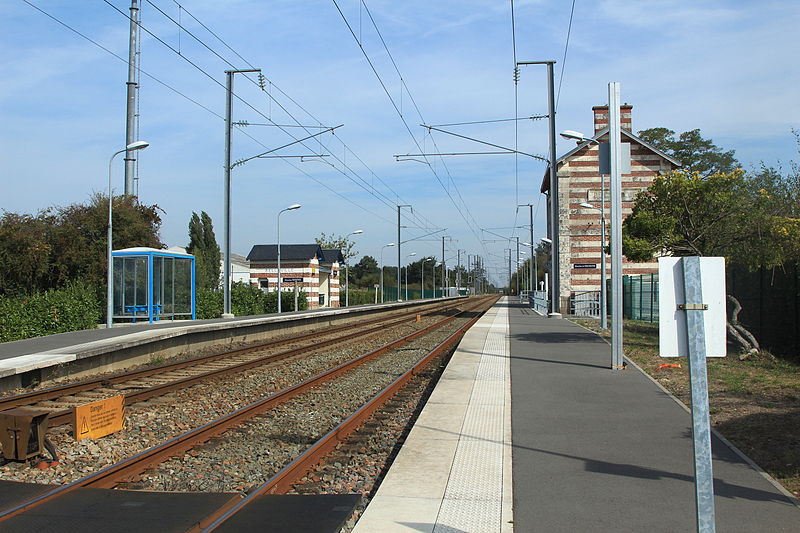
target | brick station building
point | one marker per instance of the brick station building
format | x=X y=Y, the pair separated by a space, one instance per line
x=579 y=181
x=316 y=271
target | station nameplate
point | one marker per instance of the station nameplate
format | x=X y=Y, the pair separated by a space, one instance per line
x=292 y=280
x=584 y=265
x=100 y=418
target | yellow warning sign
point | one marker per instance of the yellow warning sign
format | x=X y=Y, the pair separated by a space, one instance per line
x=100 y=418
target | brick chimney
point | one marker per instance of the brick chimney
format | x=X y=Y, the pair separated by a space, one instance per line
x=601 y=117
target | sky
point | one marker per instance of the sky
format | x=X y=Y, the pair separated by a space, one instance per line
x=379 y=69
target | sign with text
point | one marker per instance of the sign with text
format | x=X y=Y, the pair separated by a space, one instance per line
x=584 y=265
x=672 y=329
x=292 y=280
x=98 y=419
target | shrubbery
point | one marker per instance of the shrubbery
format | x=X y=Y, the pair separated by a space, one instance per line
x=71 y=308
x=246 y=300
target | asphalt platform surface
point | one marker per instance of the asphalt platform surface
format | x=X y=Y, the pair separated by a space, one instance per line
x=602 y=450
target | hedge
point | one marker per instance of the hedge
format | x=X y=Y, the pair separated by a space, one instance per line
x=246 y=300
x=71 y=308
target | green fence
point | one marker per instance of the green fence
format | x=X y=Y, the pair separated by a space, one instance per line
x=640 y=297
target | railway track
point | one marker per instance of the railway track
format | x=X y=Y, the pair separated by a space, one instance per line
x=131 y=470
x=142 y=384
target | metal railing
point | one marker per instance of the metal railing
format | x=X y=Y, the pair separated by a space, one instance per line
x=640 y=297
x=585 y=303
x=539 y=301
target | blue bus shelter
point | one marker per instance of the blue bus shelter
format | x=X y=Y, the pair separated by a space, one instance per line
x=151 y=284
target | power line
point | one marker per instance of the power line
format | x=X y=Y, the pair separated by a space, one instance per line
x=369 y=189
x=566 y=46
x=399 y=111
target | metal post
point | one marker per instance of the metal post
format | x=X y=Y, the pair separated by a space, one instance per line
x=399 y=243
x=517 y=269
x=458 y=274
x=295 y=296
x=110 y=274
x=130 y=119
x=422 y=281
x=226 y=299
x=444 y=271
x=616 y=224
x=347 y=285
x=603 y=289
x=701 y=430
x=226 y=268
x=279 y=261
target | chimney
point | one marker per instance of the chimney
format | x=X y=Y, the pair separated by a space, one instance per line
x=601 y=117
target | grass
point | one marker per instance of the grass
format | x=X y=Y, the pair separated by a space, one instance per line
x=754 y=403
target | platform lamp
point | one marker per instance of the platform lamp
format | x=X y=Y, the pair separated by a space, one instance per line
x=347 y=272
x=412 y=254
x=290 y=208
x=136 y=145
x=381 y=266
x=422 y=268
x=603 y=296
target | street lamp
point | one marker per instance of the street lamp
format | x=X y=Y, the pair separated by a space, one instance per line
x=290 y=208
x=347 y=272
x=136 y=145
x=412 y=254
x=381 y=266
x=422 y=268
x=603 y=323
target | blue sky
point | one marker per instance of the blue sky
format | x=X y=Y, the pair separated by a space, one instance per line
x=728 y=68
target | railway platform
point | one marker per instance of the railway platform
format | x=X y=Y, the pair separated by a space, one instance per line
x=528 y=430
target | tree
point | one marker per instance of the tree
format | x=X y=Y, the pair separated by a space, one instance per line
x=749 y=221
x=25 y=253
x=64 y=244
x=692 y=150
x=365 y=273
x=203 y=245
x=334 y=242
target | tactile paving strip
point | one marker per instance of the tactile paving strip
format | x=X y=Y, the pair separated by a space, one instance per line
x=474 y=495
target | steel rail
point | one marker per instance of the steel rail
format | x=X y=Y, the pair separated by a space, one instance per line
x=60 y=391
x=65 y=416
x=126 y=469
x=283 y=481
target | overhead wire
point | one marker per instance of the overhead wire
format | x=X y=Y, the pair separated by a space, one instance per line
x=363 y=184
x=471 y=225
x=566 y=47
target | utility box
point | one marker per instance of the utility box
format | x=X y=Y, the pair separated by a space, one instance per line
x=22 y=432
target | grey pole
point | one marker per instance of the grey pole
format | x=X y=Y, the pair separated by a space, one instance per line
x=290 y=208
x=517 y=269
x=701 y=430
x=131 y=147
x=226 y=269
x=399 y=243
x=442 y=266
x=381 y=265
x=458 y=273
x=347 y=284
x=130 y=119
x=279 y=260
x=422 y=281
x=554 y=212
x=616 y=224
x=110 y=274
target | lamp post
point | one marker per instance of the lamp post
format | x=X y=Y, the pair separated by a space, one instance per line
x=422 y=268
x=347 y=272
x=290 y=208
x=136 y=145
x=603 y=323
x=381 y=266
x=412 y=254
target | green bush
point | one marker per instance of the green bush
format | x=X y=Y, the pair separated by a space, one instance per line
x=358 y=297
x=246 y=300
x=71 y=308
